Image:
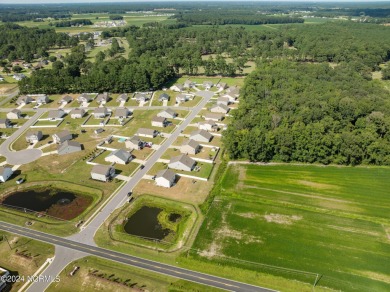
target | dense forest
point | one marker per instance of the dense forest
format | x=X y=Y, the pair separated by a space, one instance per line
x=218 y=17
x=310 y=113
x=18 y=42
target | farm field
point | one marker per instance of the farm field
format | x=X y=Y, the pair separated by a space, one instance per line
x=331 y=221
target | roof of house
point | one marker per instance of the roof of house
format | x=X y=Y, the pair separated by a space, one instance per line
x=62 y=134
x=135 y=140
x=213 y=116
x=67 y=98
x=184 y=159
x=33 y=133
x=192 y=143
x=77 y=111
x=4 y=121
x=208 y=83
x=169 y=111
x=56 y=113
x=146 y=131
x=163 y=95
x=140 y=95
x=121 y=112
x=16 y=111
x=222 y=84
x=226 y=108
x=223 y=98
x=181 y=96
x=102 y=96
x=158 y=119
x=208 y=122
x=100 y=110
x=123 y=96
x=188 y=82
x=101 y=169
x=203 y=133
x=180 y=86
x=68 y=143
x=121 y=154
x=167 y=174
x=3 y=168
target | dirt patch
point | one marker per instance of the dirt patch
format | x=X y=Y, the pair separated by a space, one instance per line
x=387 y=231
x=214 y=250
x=248 y=215
x=71 y=210
x=375 y=276
x=281 y=219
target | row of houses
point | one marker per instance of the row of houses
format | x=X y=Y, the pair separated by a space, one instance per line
x=37 y=98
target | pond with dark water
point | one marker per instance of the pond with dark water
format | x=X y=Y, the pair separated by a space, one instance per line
x=145 y=223
x=57 y=203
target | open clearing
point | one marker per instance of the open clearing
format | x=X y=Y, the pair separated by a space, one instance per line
x=328 y=220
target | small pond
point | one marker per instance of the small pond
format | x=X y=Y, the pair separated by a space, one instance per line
x=57 y=203
x=174 y=217
x=145 y=223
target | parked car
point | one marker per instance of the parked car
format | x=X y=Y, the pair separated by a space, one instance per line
x=19 y=181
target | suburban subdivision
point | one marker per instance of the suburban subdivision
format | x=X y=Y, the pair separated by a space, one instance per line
x=177 y=146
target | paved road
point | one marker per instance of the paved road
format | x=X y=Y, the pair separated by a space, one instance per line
x=23 y=156
x=157 y=267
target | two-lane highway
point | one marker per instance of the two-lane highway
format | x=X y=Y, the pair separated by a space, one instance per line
x=149 y=265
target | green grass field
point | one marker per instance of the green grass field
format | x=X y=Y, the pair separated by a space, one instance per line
x=333 y=221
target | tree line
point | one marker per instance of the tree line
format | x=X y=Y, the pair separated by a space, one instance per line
x=311 y=113
x=69 y=23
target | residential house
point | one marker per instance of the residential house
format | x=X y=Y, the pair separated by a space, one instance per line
x=5 y=173
x=219 y=108
x=56 y=114
x=141 y=97
x=222 y=85
x=14 y=114
x=163 y=96
x=208 y=126
x=213 y=117
x=122 y=112
x=102 y=98
x=19 y=77
x=34 y=136
x=159 y=122
x=119 y=156
x=182 y=162
x=188 y=84
x=5 y=123
x=66 y=99
x=148 y=133
x=182 y=98
x=134 y=143
x=4 y=275
x=77 y=113
x=168 y=113
x=69 y=147
x=177 y=88
x=223 y=100
x=1 y=78
x=165 y=178
x=41 y=98
x=85 y=97
x=62 y=136
x=98 y=131
x=201 y=136
x=24 y=99
x=100 y=112
x=190 y=147
x=122 y=98
x=102 y=172
x=232 y=88
x=208 y=84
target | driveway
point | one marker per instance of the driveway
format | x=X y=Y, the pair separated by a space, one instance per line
x=204 y=94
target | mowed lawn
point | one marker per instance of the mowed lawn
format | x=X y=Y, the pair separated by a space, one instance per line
x=333 y=221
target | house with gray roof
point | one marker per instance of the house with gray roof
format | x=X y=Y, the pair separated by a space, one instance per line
x=177 y=88
x=119 y=156
x=24 y=99
x=188 y=84
x=208 y=84
x=5 y=173
x=122 y=98
x=208 y=126
x=41 y=98
x=134 y=143
x=5 y=123
x=141 y=97
x=168 y=113
x=163 y=96
x=180 y=98
x=213 y=117
x=77 y=113
x=14 y=114
x=149 y=133
x=100 y=112
x=182 y=162
x=66 y=99
x=159 y=122
x=190 y=147
x=201 y=136
x=69 y=147
x=102 y=98
x=223 y=100
x=86 y=97
x=165 y=178
x=222 y=85
x=121 y=112
x=34 y=136
x=102 y=172
x=219 y=108
x=56 y=114
x=62 y=136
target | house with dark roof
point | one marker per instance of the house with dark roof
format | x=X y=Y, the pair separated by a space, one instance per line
x=62 y=136
x=14 y=114
x=69 y=147
x=119 y=156
x=24 y=99
x=190 y=147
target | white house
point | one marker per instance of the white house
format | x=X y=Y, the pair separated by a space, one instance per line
x=5 y=173
x=159 y=122
x=201 y=136
x=141 y=97
x=61 y=137
x=102 y=172
x=168 y=113
x=119 y=156
x=208 y=84
x=100 y=112
x=121 y=113
x=41 y=98
x=24 y=99
x=134 y=143
x=182 y=162
x=102 y=98
x=223 y=100
x=220 y=108
x=14 y=114
x=165 y=178
x=208 y=126
x=190 y=147
x=77 y=113
x=86 y=97
x=177 y=88
x=66 y=99
x=188 y=84
x=213 y=117
x=222 y=85
x=33 y=137
x=56 y=114
x=122 y=98
x=182 y=98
